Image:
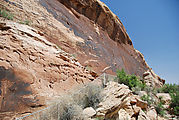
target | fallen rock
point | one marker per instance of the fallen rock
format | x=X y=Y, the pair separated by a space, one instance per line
x=152 y=114
x=89 y=112
x=119 y=101
x=123 y=115
x=142 y=93
x=115 y=98
x=136 y=109
x=142 y=116
x=165 y=97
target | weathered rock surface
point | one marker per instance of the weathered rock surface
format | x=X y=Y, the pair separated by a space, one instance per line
x=165 y=98
x=143 y=116
x=97 y=42
x=33 y=70
x=152 y=80
x=123 y=115
x=152 y=114
x=120 y=103
x=35 y=64
x=99 y=13
x=89 y=112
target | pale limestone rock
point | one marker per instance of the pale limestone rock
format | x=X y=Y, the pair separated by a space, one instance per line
x=89 y=112
x=115 y=98
x=142 y=116
x=165 y=97
x=136 y=109
x=152 y=80
x=123 y=115
x=142 y=93
x=161 y=118
x=133 y=101
x=119 y=100
x=129 y=110
x=152 y=114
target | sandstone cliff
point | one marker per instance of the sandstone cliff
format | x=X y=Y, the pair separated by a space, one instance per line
x=63 y=44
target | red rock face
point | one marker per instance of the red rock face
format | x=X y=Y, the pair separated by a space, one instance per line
x=101 y=15
x=13 y=88
x=103 y=44
x=35 y=64
x=33 y=71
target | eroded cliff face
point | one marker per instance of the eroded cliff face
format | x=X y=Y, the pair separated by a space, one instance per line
x=33 y=70
x=64 y=43
x=98 y=41
x=100 y=14
x=102 y=41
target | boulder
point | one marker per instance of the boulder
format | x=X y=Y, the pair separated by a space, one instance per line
x=136 y=109
x=115 y=98
x=142 y=93
x=119 y=101
x=142 y=116
x=123 y=115
x=165 y=97
x=89 y=112
x=152 y=114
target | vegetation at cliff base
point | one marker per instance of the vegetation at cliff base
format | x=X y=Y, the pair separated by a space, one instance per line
x=169 y=88
x=173 y=90
x=130 y=80
x=89 y=96
x=134 y=83
x=160 y=108
x=25 y=22
x=6 y=14
x=147 y=99
x=70 y=107
x=175 y=103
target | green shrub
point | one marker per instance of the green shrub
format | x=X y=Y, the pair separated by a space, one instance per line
x=160 y=109
x=25 y=22
x=147 y=99
x=5 y=14
x=130 y=80
x=175 y=103
x=173 y=90
x=169 y=88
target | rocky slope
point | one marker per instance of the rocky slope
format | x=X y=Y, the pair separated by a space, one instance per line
x=119 y=103
x=38 y=61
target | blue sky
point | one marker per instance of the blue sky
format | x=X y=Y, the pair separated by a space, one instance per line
x=153 y=26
